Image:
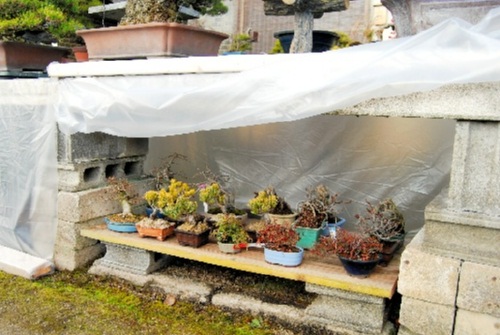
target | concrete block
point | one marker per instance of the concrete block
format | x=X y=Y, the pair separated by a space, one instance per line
x=82 y=147
x=479 y=289
x=94 y=203
x=426 y=276
x=470 y=323
x=342 y=294
x=405 y=331
x=67 y=258
x=475 y=178
x=424 y=318
x=287 y=313
x=133 y=260
x=467 y=242
x=428 y=13
x=136 y=279
x=68 y=234
x=346 y=313
x=182 y=288
x=80 y=176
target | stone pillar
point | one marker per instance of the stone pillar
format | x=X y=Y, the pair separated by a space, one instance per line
x=450 y=274
x=414 y=16
x=85 y=163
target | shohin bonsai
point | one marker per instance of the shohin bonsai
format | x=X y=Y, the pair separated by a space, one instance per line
x=349 y=245
x=229 y=229
x=124 y=191
x=175 y=202
x=279 y=237
x=213 y=192
x=268 y=201
x=383 y=221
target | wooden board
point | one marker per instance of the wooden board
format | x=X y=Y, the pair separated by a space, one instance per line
x=314 y=270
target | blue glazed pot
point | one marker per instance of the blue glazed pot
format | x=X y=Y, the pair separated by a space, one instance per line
x=120 y=227
x=358 y=268
x=283 y=258
x=331 y=228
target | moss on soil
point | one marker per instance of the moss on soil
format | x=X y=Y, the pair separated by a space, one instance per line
x=80 y=303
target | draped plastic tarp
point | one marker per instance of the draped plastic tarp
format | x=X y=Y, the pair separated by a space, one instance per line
x=299 y=86
x=28 y=167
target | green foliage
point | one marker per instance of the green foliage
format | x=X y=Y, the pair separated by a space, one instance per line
x=210 y=7
x=58 y=18
x=277 y=48
x=241 y=42
x=230 y=229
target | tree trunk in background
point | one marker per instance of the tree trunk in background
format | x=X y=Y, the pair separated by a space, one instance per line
x=401 y=12
x=302 y=37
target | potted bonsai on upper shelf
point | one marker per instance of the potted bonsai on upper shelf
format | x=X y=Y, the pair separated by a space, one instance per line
x=175 y=202
x=164 y=24
x=268 y=202
x=229 y=233
x=35 y=33
x=124 y=192
x=280 y=245
x=386 y=223
x=358 y=252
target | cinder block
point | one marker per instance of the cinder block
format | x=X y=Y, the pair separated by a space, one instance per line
x=426 y=276
x=470 y=323
x=479 y=289
x=80 y=176
x=345 y=313
x=82 y=147
x=133 y=260
x=94 y=203
x=425 y=318
x=67 y=258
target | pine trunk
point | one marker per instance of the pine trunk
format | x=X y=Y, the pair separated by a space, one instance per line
x=302 y=37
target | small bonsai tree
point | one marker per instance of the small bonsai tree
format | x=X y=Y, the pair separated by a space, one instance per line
x=124 y=192
x=350 y=245
x=175 y=202
x=229 y=229
x=383 y=221
x=44 y=22
x=214 y=193
x=241 y=42
x=145 y=11
x=268 y=201
x=195 y=224
x=165 y=172
x=279 y=237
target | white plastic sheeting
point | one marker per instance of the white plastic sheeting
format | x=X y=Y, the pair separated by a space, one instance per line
x=299 y=86
x=28 y=167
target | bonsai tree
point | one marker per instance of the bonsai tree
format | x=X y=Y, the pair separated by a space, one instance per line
x=229 y=229
x=124 y=192
x=324 y=201
x=175 y=202
x=384 y=221
x=349 y=245
x=145 y=11
x=279 y=237
x=268 y=201
x=44 y=22
x=164 y=173
x=241 y=42
x=195 y=224
x=214 y=193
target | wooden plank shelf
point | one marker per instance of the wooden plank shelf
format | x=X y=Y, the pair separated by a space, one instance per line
x=314 y=270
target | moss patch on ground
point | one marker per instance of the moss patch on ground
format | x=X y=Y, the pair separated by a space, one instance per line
x=81 y=303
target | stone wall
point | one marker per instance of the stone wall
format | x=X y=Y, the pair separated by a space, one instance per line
x=85 y=163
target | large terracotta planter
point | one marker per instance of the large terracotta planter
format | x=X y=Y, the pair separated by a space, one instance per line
x=151 y=40
x=18 y=56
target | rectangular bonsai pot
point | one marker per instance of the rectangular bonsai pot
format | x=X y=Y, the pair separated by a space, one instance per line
x=18 y=56
x=151 y=40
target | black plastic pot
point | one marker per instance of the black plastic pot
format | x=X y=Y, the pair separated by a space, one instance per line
x=323 y=40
